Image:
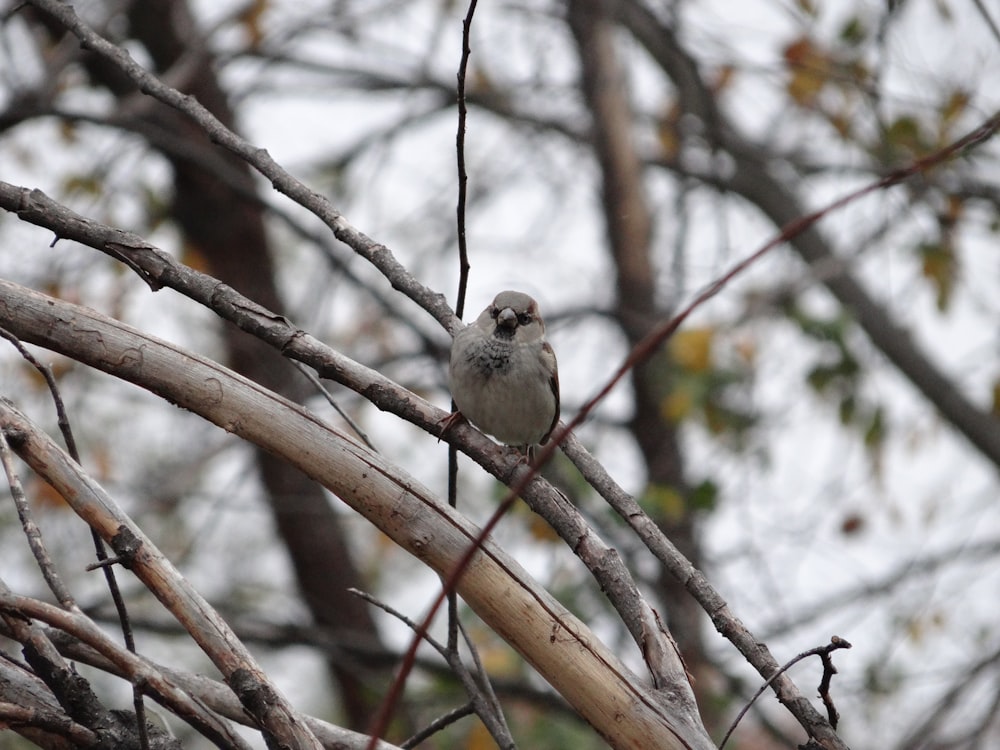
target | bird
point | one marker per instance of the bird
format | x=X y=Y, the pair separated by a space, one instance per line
x=503 y=373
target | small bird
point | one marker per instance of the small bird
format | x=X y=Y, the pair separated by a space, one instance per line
x=503 y=373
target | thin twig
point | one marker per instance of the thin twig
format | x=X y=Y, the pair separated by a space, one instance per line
x=318 y=385
x=484 y=679
x=77 y=735
x=463 y=270
x=275 y=717
x=412 y=625
x=275 y=331
x=823 y=652
x=463 y=177
x=361 y=244
x=482 y=698
x=31 y=530
x=829 y=670
x=75 y=697
x=103 y=561
x=438 y=724
x=375 y=253
x=449 y=585
x=385 y=710
x=136 y=668
x=988 y=18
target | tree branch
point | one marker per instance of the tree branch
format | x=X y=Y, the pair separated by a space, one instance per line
x=135 y=668
x=162 y=270
x=276 y=716
x=282 y=181
x=215 y=695
x=555 y=642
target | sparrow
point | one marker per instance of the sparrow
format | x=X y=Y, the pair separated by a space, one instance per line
x=503 y=373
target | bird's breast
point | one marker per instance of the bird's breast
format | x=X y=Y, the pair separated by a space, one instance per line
x=494 y=357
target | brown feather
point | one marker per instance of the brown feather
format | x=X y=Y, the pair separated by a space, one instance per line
x=554 y=385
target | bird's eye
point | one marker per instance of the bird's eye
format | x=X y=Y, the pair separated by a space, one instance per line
x=494 y=311
x=524 y=318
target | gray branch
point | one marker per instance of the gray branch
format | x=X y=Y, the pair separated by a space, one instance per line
x=375 y=253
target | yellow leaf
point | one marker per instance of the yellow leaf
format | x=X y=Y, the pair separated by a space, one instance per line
x=995 y=409
x=192 y=256
x=843 y=123
x=479 y=738
x=479 y=82
x=747 y=350
x=691 y=349
x=497 y=657
x=915 y=630
x=806 y=7
x=68 y=131
x=666 y=131
x=952 y=213
x=44 y=495
x=677 y=405
x=723 y=78
x=939 y=266
x=809 y=70
x=955 y=106
x=905 y=133
x=664 y=500
x=251 y=20
x=86 y=184
x=539 y=529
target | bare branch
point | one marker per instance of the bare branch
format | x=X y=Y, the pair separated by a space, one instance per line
x=137 y=669
x=823 y=652
x=555 y=642
x=601 y=559
x=480 y=702
x=376 y=254
x=753 y=180
x=109 y=573
x=14 y=716
x=730 y=626
x=438 y=724
x=89 y=500
x=72 y=692
x=31 y=530
x=215 y=695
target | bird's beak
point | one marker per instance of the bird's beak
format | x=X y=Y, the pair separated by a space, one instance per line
x=507 y=318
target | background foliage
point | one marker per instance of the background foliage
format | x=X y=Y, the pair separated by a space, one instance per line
x=817 y=437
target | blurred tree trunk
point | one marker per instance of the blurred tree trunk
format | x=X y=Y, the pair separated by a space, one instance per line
x=629 y=232
x=228 y=230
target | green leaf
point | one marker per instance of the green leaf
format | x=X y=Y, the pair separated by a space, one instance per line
x=904 y=133
x=853 y=32
x=939 y=265
x=663 y=500
x=705 y=495
x=875 y=434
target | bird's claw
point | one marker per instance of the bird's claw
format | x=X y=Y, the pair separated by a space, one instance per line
x=448 y=422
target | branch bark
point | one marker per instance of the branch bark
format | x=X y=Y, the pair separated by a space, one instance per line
x=21 y=687
x=555 y=642
x=159 y=269
x=136 y=669
x=629 y=226
x=605 y=564
x=375 y=253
